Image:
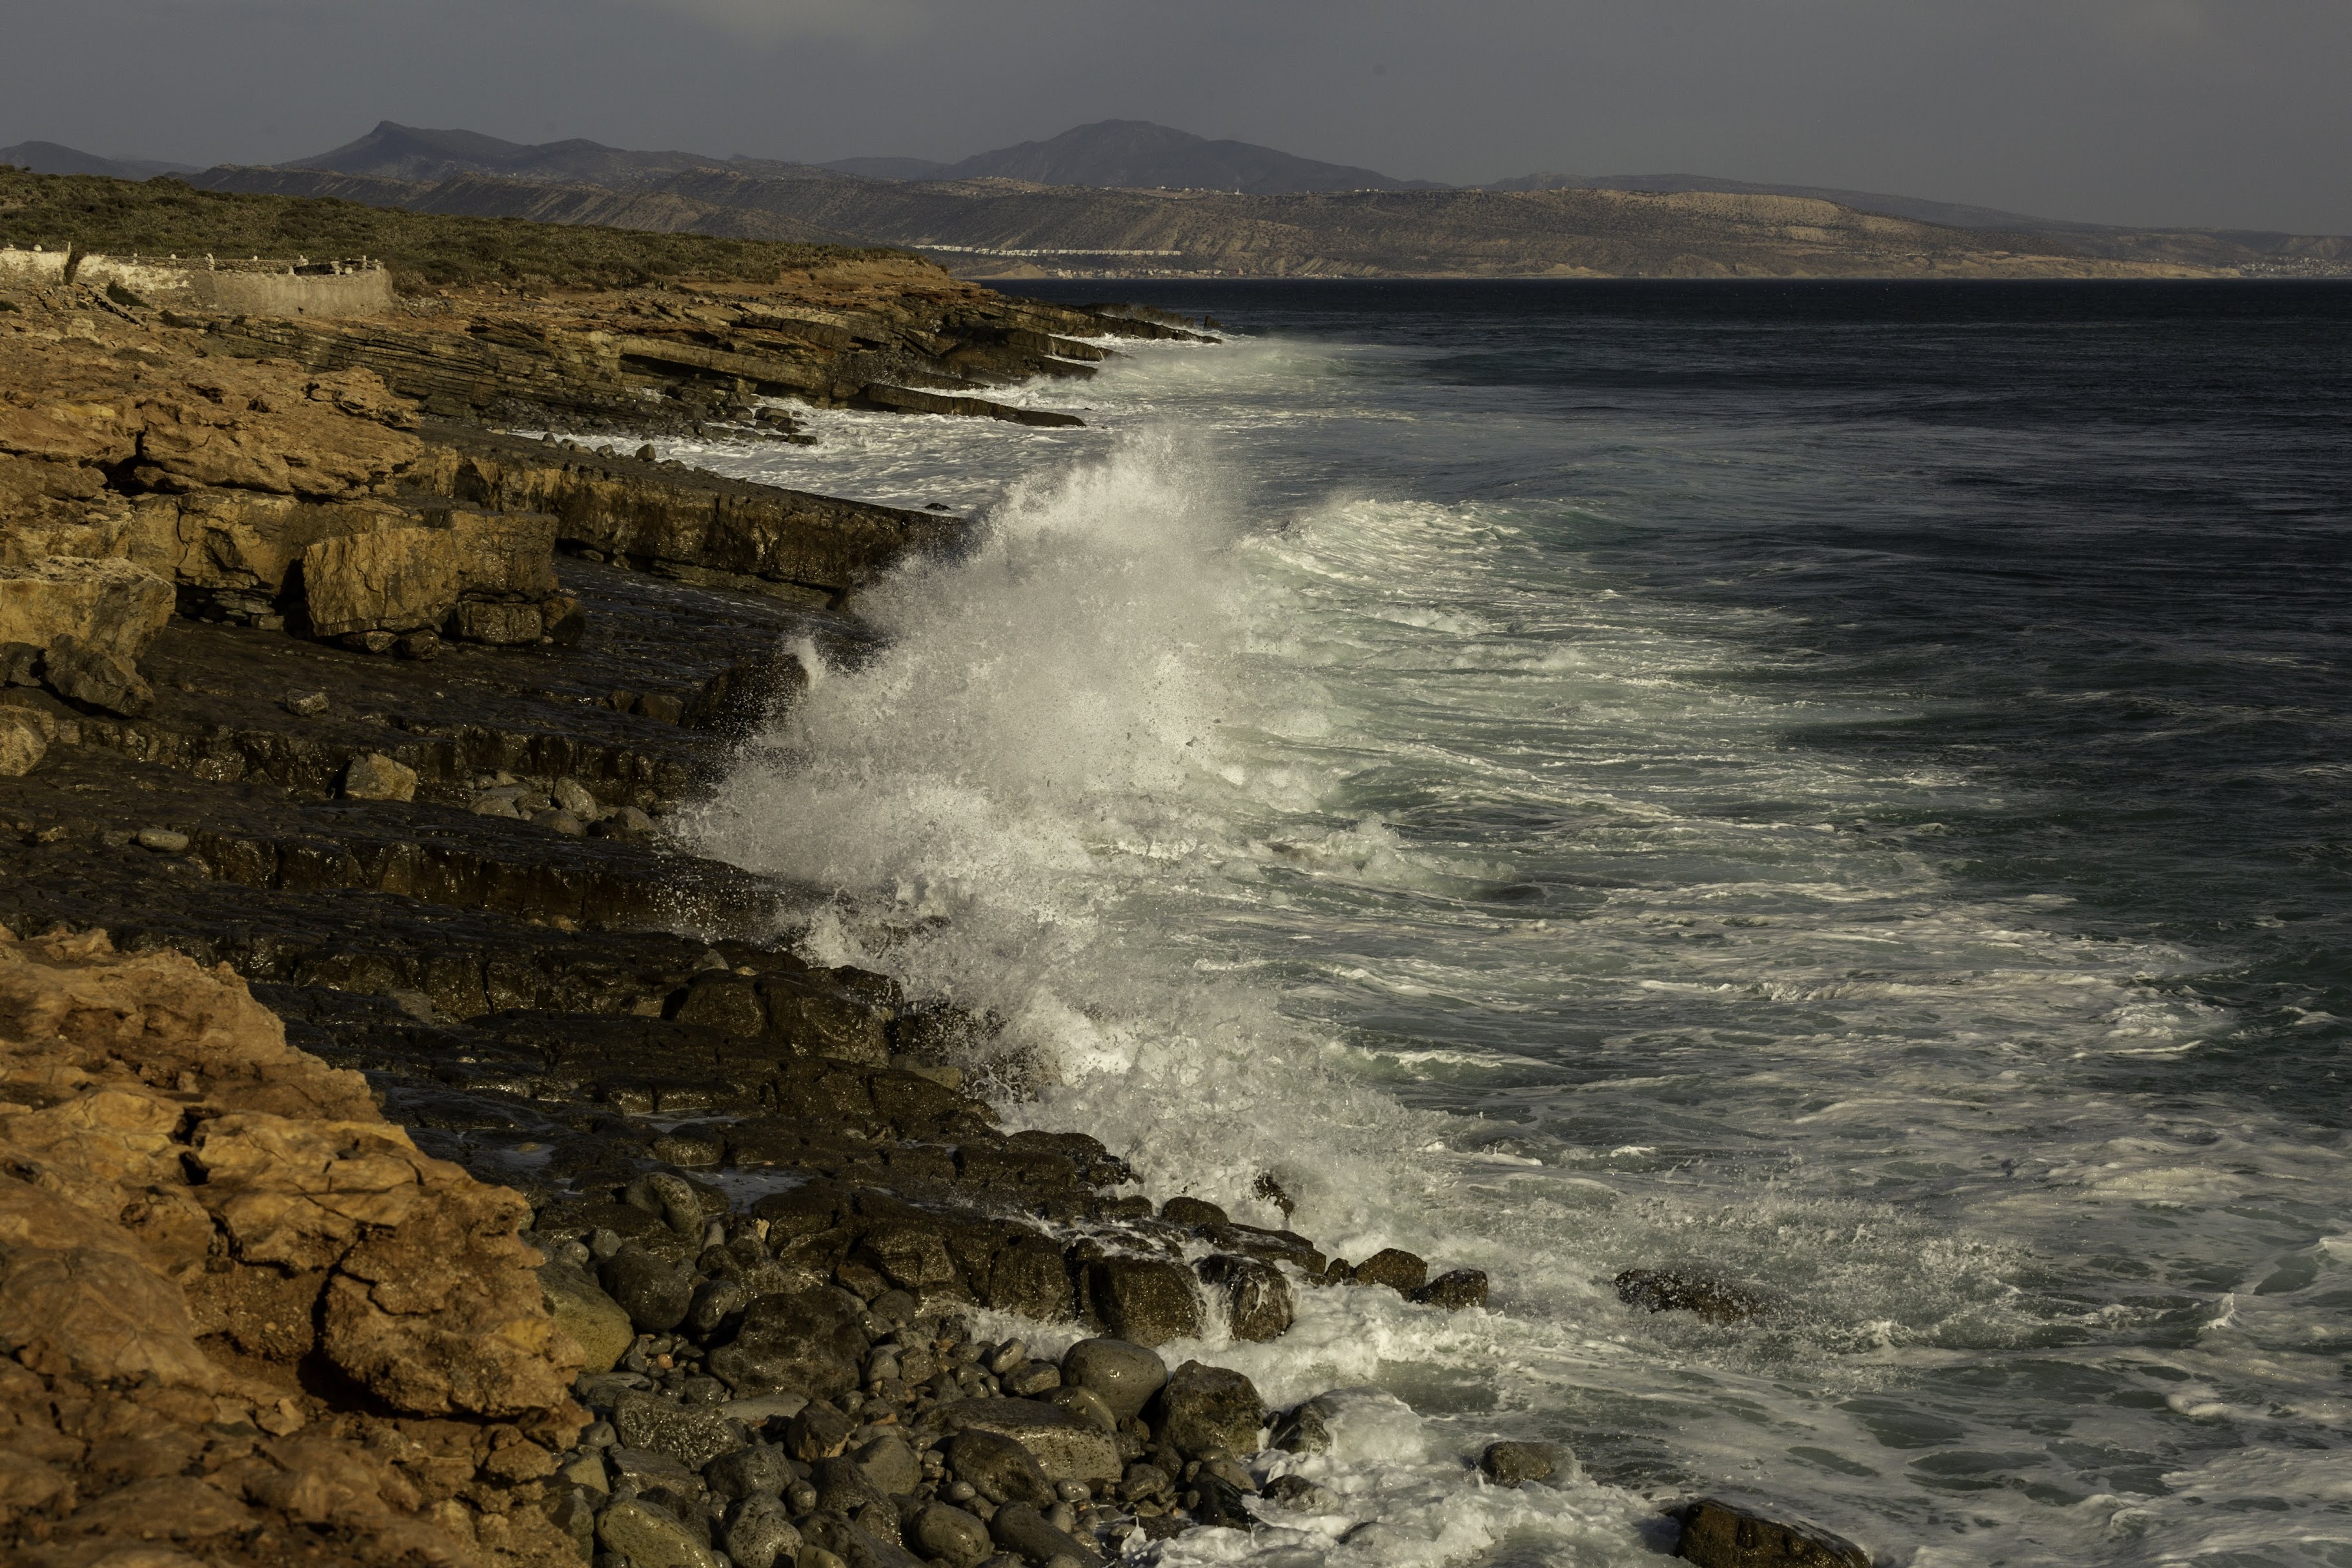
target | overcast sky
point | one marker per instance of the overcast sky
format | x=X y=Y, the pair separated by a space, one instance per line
x=2215 y=112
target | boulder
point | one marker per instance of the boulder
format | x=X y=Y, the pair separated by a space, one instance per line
x=844 y=1487
x=390 y=580
x=1209 y=1407
x=505 y=556
x=1306 y=1428
x=758 y=1531
x=801 y=1342
x=1032 y=1277
x=1065 y=1447
x=654 y=1292
x=760 y=1470
x=1123 y=1375
x=1193 y=1211
x=1719 y=1535
x=1255 y=1297
x=1003 y=1469
x=692 y=1435
x=648 y=1471
x=499 y=625
x=23 y=743
x=1516 y=1464
x=583 y=1310
x=651 y=1537
x=1400 y=1271
x=1147 y=1300
x=108 y=605
x=1221 y=1504
x=818 y=1432
x=1082 y=1405
x=890 y=1465
x=1455 y=1291
x=1299 y=1492
x=1670 y=1291
x=1021 y=1529
x=87 y=676
x=939 y=1529
x=372 y=776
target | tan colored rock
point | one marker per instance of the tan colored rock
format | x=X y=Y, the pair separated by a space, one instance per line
x=500 y=625
x=23 y=743
x=396 y=580
x=375 y=777
x=175 y=1177
x=505 y=556
x=111 y=605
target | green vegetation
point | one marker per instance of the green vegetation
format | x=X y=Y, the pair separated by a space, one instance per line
x=424 y=250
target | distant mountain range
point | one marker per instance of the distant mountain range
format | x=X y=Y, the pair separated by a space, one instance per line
x=48 y=158
x=1124 y=196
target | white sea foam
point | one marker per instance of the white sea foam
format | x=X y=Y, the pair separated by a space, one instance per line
x=1230 y=808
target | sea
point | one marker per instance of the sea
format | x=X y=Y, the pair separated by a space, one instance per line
x=1841 y=788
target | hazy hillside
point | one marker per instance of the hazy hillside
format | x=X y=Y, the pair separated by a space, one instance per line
x=1002 y=228
x=1138 y=155
x=48 y=158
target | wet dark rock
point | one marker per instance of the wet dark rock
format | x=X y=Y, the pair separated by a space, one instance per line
x=1304 y=1428
x=1082 y=1405
x=804 y=1342
x=1147 y=1300
x=1671 y=1291
x=1021 y=1529
x=1032 y=1277
x=818 y=1432
x=599 y=1325
x=1719 y=1535
x=889 y=1464
x=1193 y=1211
x=1003 y=1469
x=1255 y=1297
x=843 y=1486
x=1454 y=1290
x=1515 y=1464
x=694 y=1436
x=942 y=1531
x=1299 y=1492
x=1209 y=1407
x=90 y=676
x=1065 y=1447
x=761 y=1470
x=1398 y=1270
x=649 y=1536
x=647 y=1470
x=1221 y=1502
x=1123 y=1375
x=654 y=1292
x=758 y=1531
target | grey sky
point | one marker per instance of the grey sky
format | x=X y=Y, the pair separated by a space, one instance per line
x=2216 y=113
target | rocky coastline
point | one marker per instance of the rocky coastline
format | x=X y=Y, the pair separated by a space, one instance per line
x=412 y=1152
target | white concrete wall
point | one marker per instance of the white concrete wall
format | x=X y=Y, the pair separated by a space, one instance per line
x=21 y=268
x=192 y=285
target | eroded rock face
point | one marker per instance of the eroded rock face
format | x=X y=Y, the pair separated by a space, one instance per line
x=140 y=1302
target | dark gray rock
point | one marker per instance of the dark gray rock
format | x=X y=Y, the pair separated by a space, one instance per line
x=1516 y=1464
x=1400 y=1271
x=843 y=1487
x=1455 y=1291
x=1719 y=1535
x=1065 y=1448
x=654 y=1293
x=1304 y=1429
x=758 y=1531
x=761 y=1470
x=1221 y=1502
x=942 y=1531
x=1256 y=1296
x=20 y=663
x=1147 y=1300
x=1193 y=1211
x=1082 y=1405
x=1299 y=1492
x=660 y=1193
x=890 y=1465
x=717 y=1301
x=818 y=1432
x=1001 y=1470
x=799 y=1341
x=1670 y=1291
x=1021 y=1529
x=1032 y=1277
x=1124 y=1374
x=694 y=1435
x=645 y=1470
x=1209 y=1407
x=1032 y=1378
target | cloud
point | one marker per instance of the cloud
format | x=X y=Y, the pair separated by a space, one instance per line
x=772 y=22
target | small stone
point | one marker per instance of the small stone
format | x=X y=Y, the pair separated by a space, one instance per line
x=1455 y=1291
x=694 y=1435
x=586 y=1472
x=1257 y=1298
x=1209 y=1407
x=759 y=1531
x=88 y=674
x=423 y=644
x=1084 y=1405
x=1192 y=1211
x=1122 y=1374
x=650 y=1537
x=661 y=708
x=1515 y=1464
x=1719 y=1535
x=20 y=663
x=1032 y=1378
x=573 y=796
x=1299 y=1492
x=646 y=453
x=369 y=641
x=890 y=1465
x=304 y=704
x=559 y=822
x=643 y=1470
x=372 y=776
x=817 y=1433
x=654 y=1293
x=1400 y=1271
x=945 y=1531
x=1221 y=1503
x=1305 y=1429
x=999 y=1466
x=1017 y=1527
x=716 y=1301
x=582 y=1309
x=163 y=841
